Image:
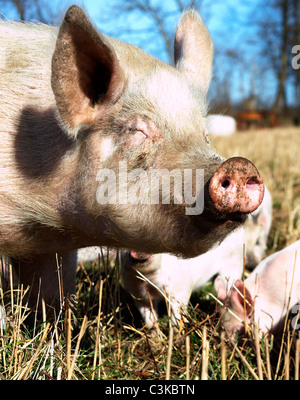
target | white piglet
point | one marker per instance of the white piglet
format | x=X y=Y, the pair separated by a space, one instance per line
x=149 y=277
x=267 y=291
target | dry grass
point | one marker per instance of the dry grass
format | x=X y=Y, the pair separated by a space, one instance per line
x=105 y=340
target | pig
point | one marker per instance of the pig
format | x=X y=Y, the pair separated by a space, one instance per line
x=80 y=113
x=267 y=291
x=177 y=278
x=220 y=125
x=257 y=229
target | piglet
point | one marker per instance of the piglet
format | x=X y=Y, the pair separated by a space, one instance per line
x=148 y=277
x=266 y=292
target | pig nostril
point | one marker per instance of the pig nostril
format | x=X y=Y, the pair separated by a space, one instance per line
x=225 y=183
x=251 y=183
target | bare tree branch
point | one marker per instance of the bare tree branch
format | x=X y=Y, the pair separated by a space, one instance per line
x=158 y=17
x=39 y=10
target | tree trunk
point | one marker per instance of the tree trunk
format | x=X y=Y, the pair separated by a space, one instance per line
x=280 y=97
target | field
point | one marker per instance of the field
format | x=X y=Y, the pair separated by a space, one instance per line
x=103 y=338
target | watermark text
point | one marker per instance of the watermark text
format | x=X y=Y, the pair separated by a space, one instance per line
x=158 y=186
x=296 y=59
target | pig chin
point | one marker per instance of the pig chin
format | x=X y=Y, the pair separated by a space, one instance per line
x=181 y=235
x=217 y=218
x=195 y=235
x=207 y=230
x=208 y=234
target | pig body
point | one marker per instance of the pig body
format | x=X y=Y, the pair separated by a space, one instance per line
x=76 y=104
x=178 y=278
x=267 y=291
x=257 y=229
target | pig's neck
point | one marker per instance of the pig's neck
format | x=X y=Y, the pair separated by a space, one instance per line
x=40 y=209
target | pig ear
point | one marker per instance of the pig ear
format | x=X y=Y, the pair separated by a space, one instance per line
x=86 y=77
x=193 y=50
x=220 y=288
x=238 y=301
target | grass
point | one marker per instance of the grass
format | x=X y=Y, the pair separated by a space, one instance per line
x=104 y=339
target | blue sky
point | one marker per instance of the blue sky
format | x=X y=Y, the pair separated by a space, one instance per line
x=228 y=23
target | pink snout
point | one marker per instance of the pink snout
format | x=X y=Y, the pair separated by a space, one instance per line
x=236 y=186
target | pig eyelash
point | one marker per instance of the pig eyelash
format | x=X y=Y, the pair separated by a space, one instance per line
x=143 y=127
x=132 y=131
x=139 y=130
x=135 y=137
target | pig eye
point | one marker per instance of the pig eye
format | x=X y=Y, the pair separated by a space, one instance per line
x=136 y=137
x=142 y=129
x=133 y=131
x=140 y=132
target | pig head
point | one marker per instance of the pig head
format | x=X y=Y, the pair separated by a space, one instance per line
x=85 y=123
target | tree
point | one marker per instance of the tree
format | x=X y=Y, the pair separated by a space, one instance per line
x=27 y=10
x=154 y=23
x=282 y=72
x=278 y=31
x=155 y=29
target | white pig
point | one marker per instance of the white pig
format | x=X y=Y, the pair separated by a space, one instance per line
x=257 y=229
x=267 y=292
x=79 y=111
x=178 y=277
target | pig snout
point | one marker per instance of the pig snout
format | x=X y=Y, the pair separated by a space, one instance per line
x=236 y=186
x=236 y=331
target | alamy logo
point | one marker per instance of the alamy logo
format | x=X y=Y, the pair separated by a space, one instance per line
x=295 y=310
x=158 y=186
x=296 y=59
